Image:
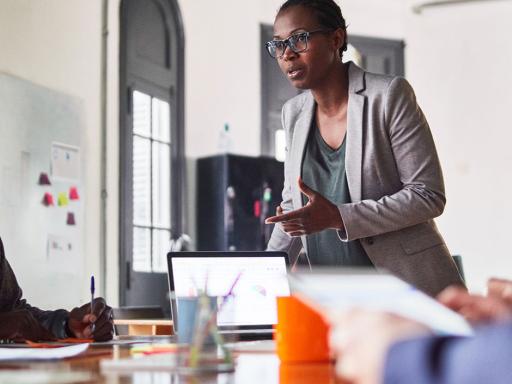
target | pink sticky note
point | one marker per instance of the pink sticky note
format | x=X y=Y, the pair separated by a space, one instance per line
x=48 y=199
x=73 y=193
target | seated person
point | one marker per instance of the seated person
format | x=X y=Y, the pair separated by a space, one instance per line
x=377 y=347
x=19 y=321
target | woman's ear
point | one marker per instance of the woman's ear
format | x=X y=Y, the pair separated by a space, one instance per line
x=340 y=37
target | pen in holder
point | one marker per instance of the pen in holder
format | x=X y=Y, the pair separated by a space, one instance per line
x=197 y=328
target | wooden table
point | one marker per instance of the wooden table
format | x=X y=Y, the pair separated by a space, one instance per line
x=146 y=326
x=251 y=367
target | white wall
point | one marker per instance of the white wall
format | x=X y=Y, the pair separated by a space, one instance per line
x=457 y=58
x=56 y=43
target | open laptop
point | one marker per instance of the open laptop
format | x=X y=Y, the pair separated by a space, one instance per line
x=260 y=277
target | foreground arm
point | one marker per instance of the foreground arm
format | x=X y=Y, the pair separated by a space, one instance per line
x=482 y=359
x=376 y=347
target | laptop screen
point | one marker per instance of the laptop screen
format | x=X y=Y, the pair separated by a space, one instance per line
x=255 y=280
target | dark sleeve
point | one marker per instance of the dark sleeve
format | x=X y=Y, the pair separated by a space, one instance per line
x=484 y=358
x=11 y=299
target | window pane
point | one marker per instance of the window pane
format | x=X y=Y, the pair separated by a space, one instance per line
x=161 y=185
x=161 y=245
x=141 y=181
x=280 y=143
x=141 y=113
x=141 y=250
x=161 y=120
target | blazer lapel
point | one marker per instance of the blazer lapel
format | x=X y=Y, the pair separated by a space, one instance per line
x=355 y=118
x=300 y=136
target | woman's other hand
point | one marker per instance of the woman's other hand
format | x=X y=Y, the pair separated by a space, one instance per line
x=318 y=214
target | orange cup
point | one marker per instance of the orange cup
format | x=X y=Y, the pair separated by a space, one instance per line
x=301 y=333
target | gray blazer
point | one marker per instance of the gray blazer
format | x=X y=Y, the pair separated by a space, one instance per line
x=394 y=178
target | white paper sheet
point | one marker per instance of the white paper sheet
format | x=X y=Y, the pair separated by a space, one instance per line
x=336 y=292
x=123 y=342
x=24 y=376
x=60 y=249
x=65 y=161
x=267 y=346
x=27 y=354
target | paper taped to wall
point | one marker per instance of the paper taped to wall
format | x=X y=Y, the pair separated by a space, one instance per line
x=65 y=161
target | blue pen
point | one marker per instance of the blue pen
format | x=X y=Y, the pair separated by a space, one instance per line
x=92 y=301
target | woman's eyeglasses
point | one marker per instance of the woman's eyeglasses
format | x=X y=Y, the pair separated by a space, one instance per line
x=298 y=43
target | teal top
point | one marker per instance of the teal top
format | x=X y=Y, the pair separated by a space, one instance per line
x=323 y=169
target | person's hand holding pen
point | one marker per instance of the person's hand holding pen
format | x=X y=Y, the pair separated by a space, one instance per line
x=93 y=320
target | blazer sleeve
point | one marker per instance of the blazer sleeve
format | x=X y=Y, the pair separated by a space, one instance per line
x=11 y=300
x=484 y=358
x=280 y=240
x=421 y=197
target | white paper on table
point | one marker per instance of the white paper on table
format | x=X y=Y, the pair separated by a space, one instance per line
x=124 y=342
x=32 y=376
x=65 y=161
x=268 y=346
x=25 y=354
x=333 y=293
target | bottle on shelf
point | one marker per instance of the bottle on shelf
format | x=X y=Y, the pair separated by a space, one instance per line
x=225 y=142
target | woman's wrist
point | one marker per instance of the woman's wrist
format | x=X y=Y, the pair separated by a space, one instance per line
x=337 y=221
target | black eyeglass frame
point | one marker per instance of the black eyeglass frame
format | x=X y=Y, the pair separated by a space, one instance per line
x=287 y=42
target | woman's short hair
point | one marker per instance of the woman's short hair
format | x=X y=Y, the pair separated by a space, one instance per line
x=327 y=12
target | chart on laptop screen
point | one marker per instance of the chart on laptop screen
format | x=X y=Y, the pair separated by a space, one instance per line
x=257 y=282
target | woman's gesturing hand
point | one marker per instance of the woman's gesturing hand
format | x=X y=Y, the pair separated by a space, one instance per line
x=318 y=214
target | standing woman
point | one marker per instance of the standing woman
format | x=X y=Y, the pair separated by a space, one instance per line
x=362 y=177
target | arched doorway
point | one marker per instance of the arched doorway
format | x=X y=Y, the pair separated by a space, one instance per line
x=152 y=146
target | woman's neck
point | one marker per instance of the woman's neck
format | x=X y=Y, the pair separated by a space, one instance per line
x=332 y=94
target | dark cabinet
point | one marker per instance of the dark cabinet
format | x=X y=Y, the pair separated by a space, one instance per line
x=234 y=196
